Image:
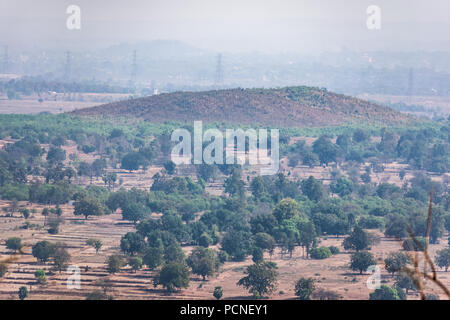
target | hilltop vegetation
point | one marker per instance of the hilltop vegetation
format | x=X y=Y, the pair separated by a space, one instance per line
x=285 y=107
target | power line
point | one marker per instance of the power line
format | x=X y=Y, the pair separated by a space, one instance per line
x=218 y=78
x=68 y=66
x=5 y=67
x=134 y=67
x=410 y=82
x=410 y=89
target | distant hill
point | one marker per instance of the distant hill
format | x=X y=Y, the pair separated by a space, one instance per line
x=288 y=107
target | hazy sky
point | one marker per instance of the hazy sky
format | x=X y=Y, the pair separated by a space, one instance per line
x=231 y=25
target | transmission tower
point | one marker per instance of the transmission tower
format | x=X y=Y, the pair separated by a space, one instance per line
x=68 y=66
x=5 y=60
x=134 y=68
x=410 y=84
x=218 y=79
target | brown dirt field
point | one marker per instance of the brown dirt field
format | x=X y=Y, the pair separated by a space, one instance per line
x=56 y=102
x=332 y=273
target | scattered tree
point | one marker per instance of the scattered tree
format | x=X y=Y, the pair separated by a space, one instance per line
x=260 y=279
x=443 y=258
x=14 y=244
x=362 y=260
x=95 y=243
x=218 y=292
x=384 y=293
x=173 y=275
x=304 y=288
x=203 y=261
x=114 y=263
x=23 y=293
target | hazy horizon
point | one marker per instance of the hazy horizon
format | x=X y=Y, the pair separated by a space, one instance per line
x=269 y=27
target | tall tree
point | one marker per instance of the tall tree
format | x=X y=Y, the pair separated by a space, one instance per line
x=260 y=279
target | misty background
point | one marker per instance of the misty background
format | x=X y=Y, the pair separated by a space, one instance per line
x=200 y=44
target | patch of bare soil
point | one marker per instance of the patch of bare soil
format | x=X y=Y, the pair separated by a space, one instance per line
x=331 y=274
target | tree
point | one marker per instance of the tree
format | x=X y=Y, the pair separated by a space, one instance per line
x=203 y=261
x=218 y=292
x=134 y=211
x=358 y=240
x=131 y=161
x=13 y=207
x=45 y=213
x=132 y=243
x=14 y=244
x=411 y=245
x=257 y=187
x=443 y=258
x=308 y=236
x=313 y=189
x=61 y=258
x=56 y=154
x=396 y=261
x=264 y=241
x=404 y=281
x=114 y=263
x=40 y=276
x=135 y=263
x=286 y=209
x=257 y=255
x=174 y=253
x=3 y=269
x=25 y=213
x=325 y=150
x=395 y=226
x=54 y=222
x=88 y=206
x=205 y=240
x=23 y=293
x=96 y=295
x=234 y=186
x=85 y=169
x=207 y=171
x=153 y=257
x=110 y=179
x=43 y=250
x=342 y=187
x=322 y=294
x=170 y=166
x=260 y=279
x=95 y=243
x=173 y=275
x=360 y=136
x=384 y=293
x=304 y=288
x=362 y=260
x=98 y=167
x=237 y=244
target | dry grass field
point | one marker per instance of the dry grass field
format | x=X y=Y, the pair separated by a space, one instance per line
x=331 y=274
x=54 y=103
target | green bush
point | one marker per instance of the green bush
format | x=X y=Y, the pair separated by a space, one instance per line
x=320 y=253
x=334 y=250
